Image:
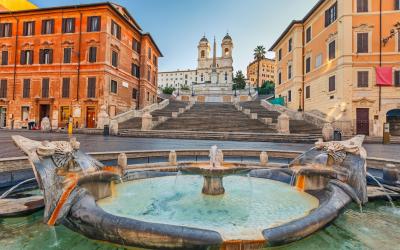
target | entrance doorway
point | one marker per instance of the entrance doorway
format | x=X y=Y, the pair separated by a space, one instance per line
x=393 y=118
x=91 y=117
x=362 y=121
x=3 y=117
x=44 y=111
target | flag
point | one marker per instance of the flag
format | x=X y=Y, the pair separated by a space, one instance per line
x=384 y=76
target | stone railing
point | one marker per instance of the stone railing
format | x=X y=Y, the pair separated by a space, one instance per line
x=139 y=113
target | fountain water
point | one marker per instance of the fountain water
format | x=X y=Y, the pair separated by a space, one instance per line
x=8 y=192
x=383 y=189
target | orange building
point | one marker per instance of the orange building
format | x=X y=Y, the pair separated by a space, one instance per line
x=327 y=63
x=267 y=71
x=69 y=61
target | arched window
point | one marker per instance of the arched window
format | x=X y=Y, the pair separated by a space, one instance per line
x=203 y=54
x=226 y=51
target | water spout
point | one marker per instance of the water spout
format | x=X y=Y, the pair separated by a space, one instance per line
x=8 y=192
x=383 y=189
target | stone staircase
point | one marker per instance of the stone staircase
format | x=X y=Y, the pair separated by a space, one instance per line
x=296 y=126
x=136 y=123
x=215 y=117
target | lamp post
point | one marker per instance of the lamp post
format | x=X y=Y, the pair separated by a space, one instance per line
x=300 y=92
x=179 y=86
x=192 y=89
x=249 y=89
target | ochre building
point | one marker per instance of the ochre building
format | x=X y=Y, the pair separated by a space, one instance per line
x=69 y=61
x=328 y=63
x=266 y=73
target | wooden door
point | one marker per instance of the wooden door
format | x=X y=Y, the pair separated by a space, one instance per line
x=362 y=121
x=44 y=111
x=91 y=117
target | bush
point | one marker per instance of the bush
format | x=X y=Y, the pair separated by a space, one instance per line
x=267 y=88
x=185 y=87
x=168 y=90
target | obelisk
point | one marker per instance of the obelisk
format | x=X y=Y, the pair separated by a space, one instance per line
x=214 y=74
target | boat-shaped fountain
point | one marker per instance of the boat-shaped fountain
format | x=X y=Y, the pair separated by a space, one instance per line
x=213 y=204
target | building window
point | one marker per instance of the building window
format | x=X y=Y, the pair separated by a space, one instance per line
x=65 y=114
x=397 y=4
x=92 y=54
x=113 y=86
x=279 y=78
x=331 y=15
x=289 y=96
x=26 y=90
x=67 y=55
x=115 y=30
x=25 y=113
x=91 y=88
x=308 y=35
x=3 y=88
x=308 y=65
x=308 y=92
x=93 y=23
x=114 y=58
x=290 y=45
x=26 y=57
x=398 y=41
x=66 y=82
x=362 y=79
x=154 y=60
x=362 y=42
x=4 y=57
x=5 y=29
x=397 y=78
x=29 y=28
x=332 y=83
x=135 y=70
x=135 y=93
x=332 y=50
x=149 y=53
x=318 y=60
x=280 y=54
x=136 y=45
x=46 y=56
x=148 y=74
x=290 y=72
x=226 y=76
x=203 y=54
x=362 y=6
x=68 y=25
x=47 y=27
x=45 y=87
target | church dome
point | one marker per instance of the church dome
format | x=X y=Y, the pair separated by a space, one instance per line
x=204 y=40
x=228 y=37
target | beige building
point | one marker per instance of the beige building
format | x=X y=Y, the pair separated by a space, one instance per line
x=267 y=72
x=327 y=63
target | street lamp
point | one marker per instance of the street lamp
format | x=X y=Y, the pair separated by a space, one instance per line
x=249 y=89
x=192 y=89
x=300 y=92
x=179 y=86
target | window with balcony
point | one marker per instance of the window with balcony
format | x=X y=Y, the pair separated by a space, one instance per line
x=26 y=90
x=3 y=88
x=45 y=87
x=362 y=6
x=91 y=87
x=67 y=55
x=362 y=79
x=331 y=15
x=68 y=25
x=115 y=30
x=45 y=56
x=4 y=57
x=66 y=82
x=93 y=23
x=362 y=42
x=5 y=29
x=29 y=28
x=47 y=27
x=26 y=57
x=113 y=86
x=332 y=83
x=92 y=54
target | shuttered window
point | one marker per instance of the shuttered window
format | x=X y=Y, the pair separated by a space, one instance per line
x=45 y=87
x=332 y=83
x=115 y=30
x=362 y=42
x=47 y=27
x=362 y=79
x=29 y=28
x=362 y=6
x=65 y=87
x=92 y=54
x=91 y=88
x=93 y=23
x=332 y=50
x=331 y=15
x=5 y=29
x=67 y=55
x=68 y=25
x=3 y=88
x=26 y=92
x=397 y=78
x=114 y=86
x=45 y=56
x=4 y=57
x=26 y=57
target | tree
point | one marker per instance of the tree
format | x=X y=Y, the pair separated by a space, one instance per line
x=239 y=80
x=259 y=54
x=168 y=90
x=267 y=88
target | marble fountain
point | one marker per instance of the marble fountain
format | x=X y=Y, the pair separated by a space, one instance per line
x=208 y=205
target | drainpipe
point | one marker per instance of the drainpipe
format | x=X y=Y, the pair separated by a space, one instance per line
x=303 y=69
x=79 y=57
x=380 y=51
x=15 y=58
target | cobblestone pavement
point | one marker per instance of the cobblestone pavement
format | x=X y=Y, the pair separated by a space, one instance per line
x=97 y=143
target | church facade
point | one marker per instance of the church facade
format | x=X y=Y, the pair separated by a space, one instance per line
x=218 y=67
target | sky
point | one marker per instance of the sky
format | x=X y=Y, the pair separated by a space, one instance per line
x=178 y=25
